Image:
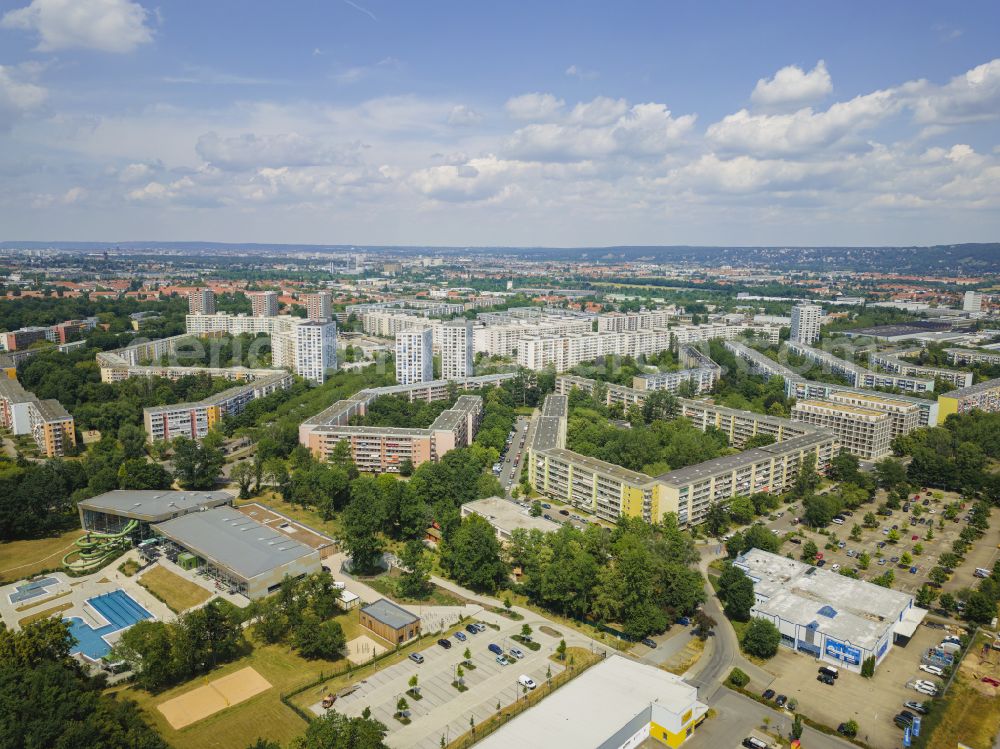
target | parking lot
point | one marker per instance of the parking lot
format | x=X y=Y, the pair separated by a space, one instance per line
x=871 y=702
x=443 y=710
x=875 y=542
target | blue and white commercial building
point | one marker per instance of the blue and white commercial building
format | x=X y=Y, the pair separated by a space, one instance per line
x=836 y=619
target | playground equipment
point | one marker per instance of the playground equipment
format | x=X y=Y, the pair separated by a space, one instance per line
x=95 y=549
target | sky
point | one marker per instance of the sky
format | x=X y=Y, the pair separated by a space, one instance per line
x=517 y=123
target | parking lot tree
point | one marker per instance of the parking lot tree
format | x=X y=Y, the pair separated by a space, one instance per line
x=741 y=509
x=536 y=509
x=905 y=559
x=947 y=602
x=938 y=575
x=918 y=549
x=337 y=731
x=856 y=532
x=413 y=683
x=761 y=639
x=870 y=521
x=893 y=536
x=864 y=560
x=980 y=608
x=809 y=551
x=886 y=579
x=851 y=728
x=929 y=536
x=561 y=650
x=926 y=596
x=401 y=706
x=472 y=555
x=467 y=655
x=525 y=630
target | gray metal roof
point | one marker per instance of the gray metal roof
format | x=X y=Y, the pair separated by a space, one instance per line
x=153 y=504
x=232 y=540
x=390 y=614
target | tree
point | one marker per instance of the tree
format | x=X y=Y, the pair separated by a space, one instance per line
x=890 y=473
x=139 y=473
x=196 y=465
x=741 y=509
x=870 y=520
x=905 y=559
x=401 y=707
x=893 y=537
x=797 y=727
x=851 y=728
x=738 y=678
x=243 y=474
x=856 y=532
x=526 y=630
x=703 y=624
x=947 y=602
x=132 y=439
x=868 y=667
x=413 y=683
x=318 y=639
x=844 y=467
x=885 y=579
x=925 y=596
x=716 y=520
x=472 y=555
x=336 y=731
x=807 y=479
x=561 y=650
x=761 y=638
x=864 y=560
x=414 y=582
x=938 y=575
x=739 y=597
x=980 y=608
x=536 y=509
x=362 y=524
x=809 y=551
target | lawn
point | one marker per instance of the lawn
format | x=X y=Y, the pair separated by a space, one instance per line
x=21 y=559
x=26 y=620
x=387 y=585
x=261 y=716
x=588 y=630
x=305 y=515
x=179 y=594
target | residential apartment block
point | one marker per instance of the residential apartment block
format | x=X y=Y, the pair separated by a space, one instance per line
x=983 y=397
x=806 y=323
x=201 y=302
x=319 y=306
x=859 y=376
x=864 y=432
x=971 y=356
x=810 y=390
x=263 y=303
x=194 y=420
x=895 y=364
x=456 y=350
x=414 y=356
x=48 y=423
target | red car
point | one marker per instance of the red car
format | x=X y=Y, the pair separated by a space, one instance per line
x=991 y=681
x=914 y=538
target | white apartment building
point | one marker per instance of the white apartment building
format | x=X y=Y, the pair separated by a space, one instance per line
x=502 y=340
x=264 y=303
x=456 y=350
x=315 y=349
x=864 y=432
x=319 y=306
x=972 y=302
x=201 y=302
x=619 y=322
x=805 y=323
x=414 y=356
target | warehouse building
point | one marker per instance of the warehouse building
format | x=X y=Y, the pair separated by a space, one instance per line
x=614 y=704
x=113 y=511
x=390 y=622
x=826 y=615
x=237 y=551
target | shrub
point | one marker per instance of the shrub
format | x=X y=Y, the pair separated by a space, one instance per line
x=738 y=678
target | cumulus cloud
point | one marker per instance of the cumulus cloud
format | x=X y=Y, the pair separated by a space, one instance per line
x=533 y=106
x=973 y=96
x=463 y=116
x=17 y=96
x=792 y=87
x=103 y=25
x=250 y=151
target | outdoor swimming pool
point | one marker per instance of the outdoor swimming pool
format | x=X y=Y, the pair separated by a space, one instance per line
x=31 y=590
x=119 y=609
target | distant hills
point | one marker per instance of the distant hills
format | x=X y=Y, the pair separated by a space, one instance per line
x=951 y=260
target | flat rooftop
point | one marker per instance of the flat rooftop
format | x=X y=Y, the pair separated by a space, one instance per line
x=832 y=406
x=390 y=614
x=594 y=706
x=509 y=515
x=846 y=609
x=228 y=538
x=981 y=387
x=896 y=331
x=599 y=466
x=13 y=391
x=52 y=410
x=152 y=504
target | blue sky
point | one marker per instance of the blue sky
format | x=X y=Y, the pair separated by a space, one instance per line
x=368 y=121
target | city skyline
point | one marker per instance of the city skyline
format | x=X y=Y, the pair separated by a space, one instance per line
x=373 y=123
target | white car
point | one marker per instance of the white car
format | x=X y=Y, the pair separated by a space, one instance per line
x=835 y=567
x=925 y=687
x=931 y=669
x=526 y=681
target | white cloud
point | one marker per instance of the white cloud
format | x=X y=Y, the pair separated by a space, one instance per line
x=575 y=71
x=792 y=87
x=599 y=111
x=533 y=106
x=802 y=131
x=250 y=151
x=17 y=96
x=104 y=25
x=973 y=96
x=463 y=116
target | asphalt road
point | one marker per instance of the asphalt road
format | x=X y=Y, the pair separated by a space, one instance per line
x=511 y=466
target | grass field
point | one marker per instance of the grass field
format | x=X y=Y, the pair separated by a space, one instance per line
x=304 y=515
x=387 y=586
x=21 y=559
x=179 y=594
x=605 y=638
x=26 y=620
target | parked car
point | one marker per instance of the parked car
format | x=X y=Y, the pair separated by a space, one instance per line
x=517 y=653
x=460 y=636
x=821 y=562
x=683 y=621
x=918 y=707
x=416 y=657
x=834 y=567
x=752 y=742
x=502 y=660
x=564 y=512
x=902 y=721
x=913 y=570
x=841 y=544
x=768 y=694
x=480 y=627
x=782 y=699
x=526 y=681
x=936 y=670
x=648 y=643
x=795 y=540
x=914 y=537
x=991 y=681
x=826 y=679
x=494 y=648
x=446 y=644
x=471 y=629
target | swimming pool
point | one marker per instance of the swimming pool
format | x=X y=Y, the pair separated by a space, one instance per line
x=31 y=590
x=118 y=609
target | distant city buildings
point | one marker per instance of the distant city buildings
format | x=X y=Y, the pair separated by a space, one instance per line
x=319 y=306
x=201 y=302
x=972 y=302
x=414 y=356
x=806 y=323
